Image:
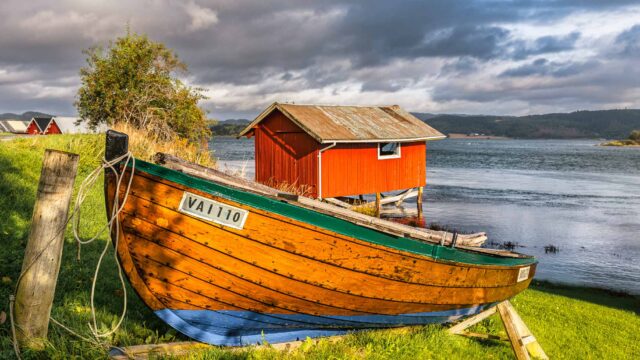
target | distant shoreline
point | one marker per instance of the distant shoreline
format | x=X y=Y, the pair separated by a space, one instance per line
x=477 y=137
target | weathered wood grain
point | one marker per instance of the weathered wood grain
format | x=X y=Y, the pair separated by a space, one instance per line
x=41 y=264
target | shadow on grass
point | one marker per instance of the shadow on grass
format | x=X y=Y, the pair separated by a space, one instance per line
x=605 y=297
x=16 y=204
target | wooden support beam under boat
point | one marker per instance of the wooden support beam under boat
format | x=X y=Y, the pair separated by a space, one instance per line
x=522 y=341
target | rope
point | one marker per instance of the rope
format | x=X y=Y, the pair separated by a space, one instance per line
x=85 y=186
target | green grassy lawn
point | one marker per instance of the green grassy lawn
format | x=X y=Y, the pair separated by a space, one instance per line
x=569 y=322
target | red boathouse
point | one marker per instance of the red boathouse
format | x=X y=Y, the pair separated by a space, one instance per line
x=334 y=151
x=43 y=126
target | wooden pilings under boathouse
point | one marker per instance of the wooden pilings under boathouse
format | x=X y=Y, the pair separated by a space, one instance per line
x=337 y=153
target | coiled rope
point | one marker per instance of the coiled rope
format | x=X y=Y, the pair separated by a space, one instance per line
x=113 y=225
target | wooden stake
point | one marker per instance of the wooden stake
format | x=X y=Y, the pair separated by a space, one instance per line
x=419 y=201
x=41 y=264
x=378 y=204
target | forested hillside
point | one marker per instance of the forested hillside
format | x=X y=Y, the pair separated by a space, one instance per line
x=231 y=127
x=610 y=124
x=24 y=116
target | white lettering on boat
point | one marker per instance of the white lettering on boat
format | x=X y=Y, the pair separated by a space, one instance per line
x=523 y=273
x=213 y=211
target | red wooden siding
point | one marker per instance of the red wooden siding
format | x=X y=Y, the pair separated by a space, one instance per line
x=53 y=128
x=32 y=129
x=353 y=169
x=285 y=154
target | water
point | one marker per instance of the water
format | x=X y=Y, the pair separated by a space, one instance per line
x=582 y=198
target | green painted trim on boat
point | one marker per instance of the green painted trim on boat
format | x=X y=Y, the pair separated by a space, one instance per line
x=331 y=223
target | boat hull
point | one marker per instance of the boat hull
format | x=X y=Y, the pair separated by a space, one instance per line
x=285 y=272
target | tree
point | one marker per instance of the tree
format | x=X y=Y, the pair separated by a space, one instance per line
x=635 y=135
x=133 y=80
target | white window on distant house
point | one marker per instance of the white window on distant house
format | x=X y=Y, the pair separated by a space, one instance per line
x=390 y=150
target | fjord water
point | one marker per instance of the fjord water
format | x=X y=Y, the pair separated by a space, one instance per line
x=582 y=198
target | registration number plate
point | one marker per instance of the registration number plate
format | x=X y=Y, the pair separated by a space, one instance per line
x=523 y=273
x=213 y=211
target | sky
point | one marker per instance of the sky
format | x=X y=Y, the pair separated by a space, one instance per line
x=468 y=56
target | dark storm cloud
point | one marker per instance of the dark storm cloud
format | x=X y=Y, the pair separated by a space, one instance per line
x=250 y=51
x=630 y=41
x=599 y=85
x=545 y=45
x=544 y=67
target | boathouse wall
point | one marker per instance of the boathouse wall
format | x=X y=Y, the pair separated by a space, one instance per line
x=32 y=129
x=353 y=169
x=285 y=154
x=53 y=128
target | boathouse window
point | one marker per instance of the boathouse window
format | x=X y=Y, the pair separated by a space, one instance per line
x=389 y=150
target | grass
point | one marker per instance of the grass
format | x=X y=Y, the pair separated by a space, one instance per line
x=570 y=322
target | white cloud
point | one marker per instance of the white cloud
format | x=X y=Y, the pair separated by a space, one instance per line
x=201 y=17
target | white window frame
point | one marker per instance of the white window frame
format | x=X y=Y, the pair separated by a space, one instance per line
x=392 y=156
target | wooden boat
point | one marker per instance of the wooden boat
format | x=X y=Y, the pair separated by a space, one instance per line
x=227 y=262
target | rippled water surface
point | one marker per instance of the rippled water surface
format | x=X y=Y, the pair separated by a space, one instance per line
x=583 y=198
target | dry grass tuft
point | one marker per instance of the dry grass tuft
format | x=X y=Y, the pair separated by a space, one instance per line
x=144 y=145
x=367 y=209
x=300 y=190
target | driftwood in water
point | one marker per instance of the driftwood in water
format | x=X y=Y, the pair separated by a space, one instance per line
x=431 y=236
x=41 y=264
x=398 y=211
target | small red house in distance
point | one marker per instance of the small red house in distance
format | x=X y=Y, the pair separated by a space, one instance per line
x=43 y=126
x=335 y=151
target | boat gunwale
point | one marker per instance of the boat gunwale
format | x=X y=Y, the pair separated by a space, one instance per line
x=322 y=220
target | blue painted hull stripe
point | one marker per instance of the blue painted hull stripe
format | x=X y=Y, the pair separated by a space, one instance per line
x=234 y=328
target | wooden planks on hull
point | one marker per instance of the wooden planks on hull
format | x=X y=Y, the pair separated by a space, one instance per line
x=141 y=208
x=259 y=283
x=308 y=241
x=314 y=271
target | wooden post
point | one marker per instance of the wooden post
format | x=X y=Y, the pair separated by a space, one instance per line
x=419 y=202
x=41 y=264
x=378 y=204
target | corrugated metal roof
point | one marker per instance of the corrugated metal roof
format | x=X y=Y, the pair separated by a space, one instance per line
x=14 y=126
x=331 y=123
x=42 y=122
